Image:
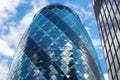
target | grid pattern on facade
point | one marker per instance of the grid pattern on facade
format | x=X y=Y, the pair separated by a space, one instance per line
x=55 y=47
x=108 y=19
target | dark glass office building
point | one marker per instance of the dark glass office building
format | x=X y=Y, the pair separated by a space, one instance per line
x=56 y=46
x=108 y=18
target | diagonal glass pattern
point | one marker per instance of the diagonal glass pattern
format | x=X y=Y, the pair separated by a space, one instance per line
x=55 y=47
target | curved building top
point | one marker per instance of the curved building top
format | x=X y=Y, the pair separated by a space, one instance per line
x=59 y=6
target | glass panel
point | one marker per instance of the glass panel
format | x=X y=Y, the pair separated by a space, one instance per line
x=114 y=6
x=102 y=12
x=116 y=63
x=105 y=36
x=118 y=35
x=106 y=13
x=105 y=52
x=54 y=33
x=109 y=38
x=100 y=18
x=29 y=44
x=113 y=50
x=115 y=23
x=37 y=18
x=61 y=41
x=38 y=35
x=119 y=6
x=45 y=11
x=108 y=5
x=64 y=26
x=49 y=14
x=106 y=27
x=110 y=75
x=63 y=13
x=55 y=19
x=112 y=14
x=40 y=22
x=115 y=43
x=118 y=54
x=118 y=74
x=33 y=29
x=55 y=10
x=45 y=42
x=47 y=26
x=113 y=70
x=107 y=63
x=77 y=29
x=107 y=46
x=110 y=57
x=112 y=32
x=69 y=21
x=71 y=37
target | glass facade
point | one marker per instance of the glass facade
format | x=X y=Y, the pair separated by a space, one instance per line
x=108 y=18
x=56 y=46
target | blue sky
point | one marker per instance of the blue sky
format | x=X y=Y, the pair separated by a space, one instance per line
x=16 y=16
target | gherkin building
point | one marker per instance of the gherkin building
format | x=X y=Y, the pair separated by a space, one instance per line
x=56 y=46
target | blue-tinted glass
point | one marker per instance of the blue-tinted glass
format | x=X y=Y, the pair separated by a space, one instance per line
x=40 y=22
x=38 y=35
x=71 y=37
x=55 y=19
x=46 y=40
x=63 y=13
x=33 y=28
x=56 y=47
x=55 y=10
x=61 y=41
x=38 y=17
x=69 y=21
x=47 y=26
x=29 y=45
x=54 y=33
x=45 y=11
x=63 y=27
x=73 y=18
x=49 y=14
x=46 y=74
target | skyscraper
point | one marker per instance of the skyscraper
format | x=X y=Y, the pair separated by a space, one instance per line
x=108 y=18
x=56 y=46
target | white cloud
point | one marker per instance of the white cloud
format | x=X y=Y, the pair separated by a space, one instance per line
x=96 y=42
x=71 y=5
x=8 y=9
x=37 y=5
x=83 y=14
x=3 y=69
x=106 y=76
x=90 y=5
x=16 y=31
x=5 y=48
x=10 y=40
x=86 y=14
